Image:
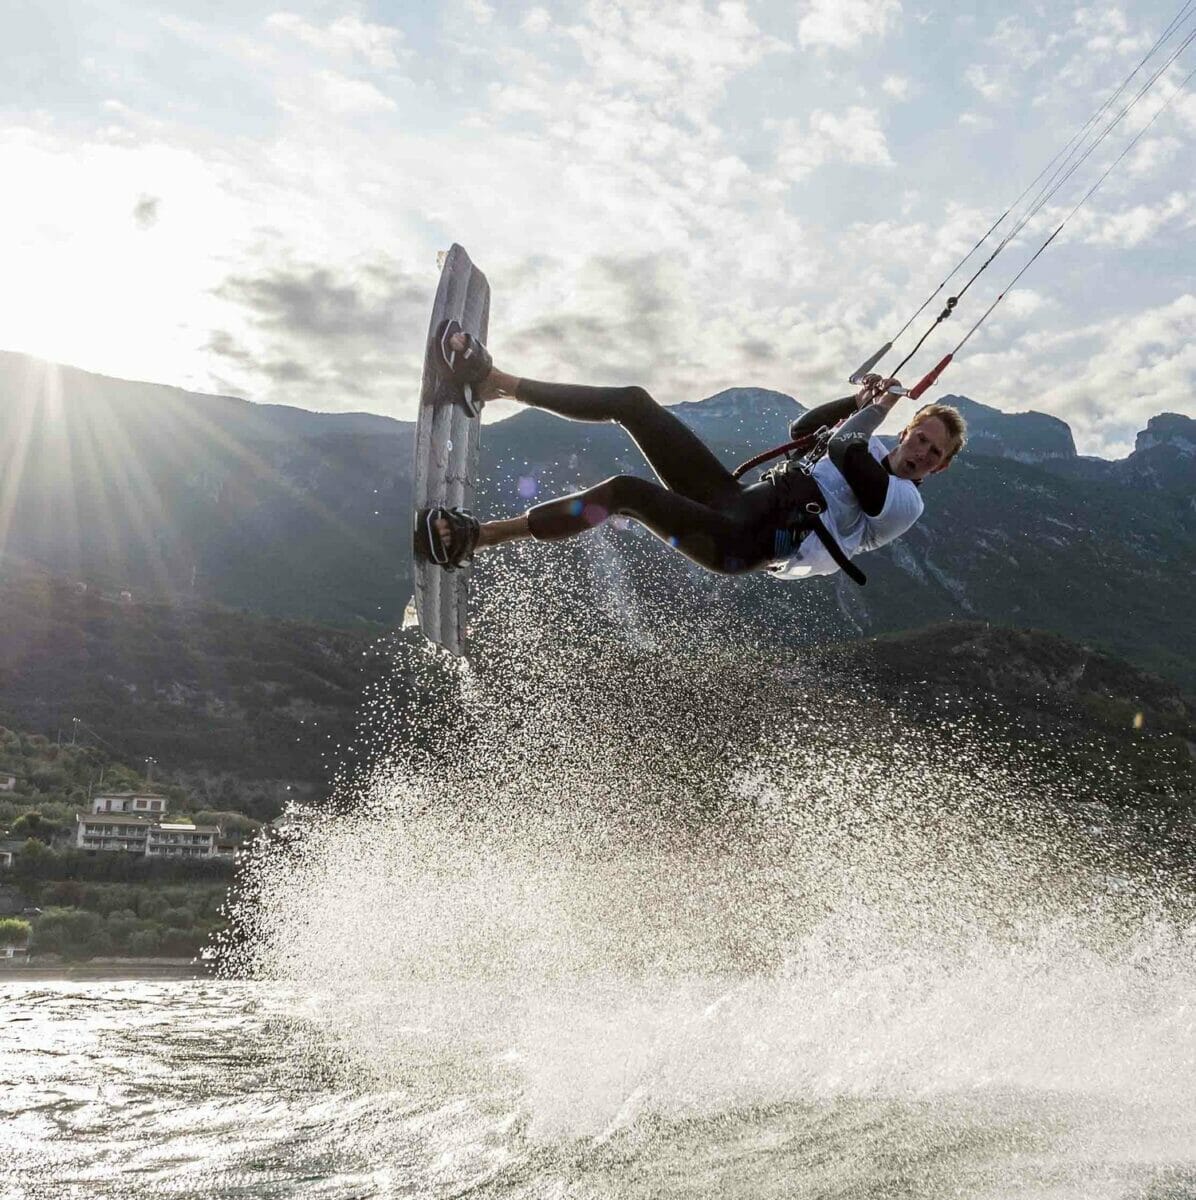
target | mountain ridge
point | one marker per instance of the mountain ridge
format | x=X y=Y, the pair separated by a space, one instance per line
x=164 y=493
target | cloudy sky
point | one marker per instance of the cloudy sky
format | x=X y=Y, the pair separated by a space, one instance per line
x=249 y=197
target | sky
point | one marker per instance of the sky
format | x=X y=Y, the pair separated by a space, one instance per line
x=249 y=198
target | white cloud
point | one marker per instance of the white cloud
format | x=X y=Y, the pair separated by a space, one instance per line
x=1022 y=43
x=1104 y=32
x=613 y=167
x=480 y=10
x=853 y=136
x=1184 y=111
x=897 y=86
x=536 y=20
x=983 y=79
x=1024 y=302
x=846 y=24
x=519 y=98
x=1098 y=38
x=1134 y=226
x=123 y=274
x=1151 y=155
x=350 y=97
x=379 y=46
x=1134 y=366
x=1139 y=367
x=681 y=54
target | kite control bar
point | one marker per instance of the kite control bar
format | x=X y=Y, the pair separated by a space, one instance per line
x=857 y=377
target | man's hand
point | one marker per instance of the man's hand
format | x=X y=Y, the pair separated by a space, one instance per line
x=876 y=391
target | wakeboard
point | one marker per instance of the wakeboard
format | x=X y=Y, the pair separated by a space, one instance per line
x=446 y=451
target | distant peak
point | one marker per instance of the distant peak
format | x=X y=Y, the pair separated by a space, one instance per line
x=1025 y=436
x=1169 y=429
x=743 y=399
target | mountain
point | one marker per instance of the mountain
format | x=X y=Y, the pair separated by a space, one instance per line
x=224 y=701
x=1164 y=454
x=747 y=417
x=247 y=712
x=149 y=489
x=161 y=493
x=1027 y=437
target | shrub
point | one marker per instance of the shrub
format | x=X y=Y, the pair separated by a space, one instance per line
x=231 y=823
x=72 y=932
x=180 y=943
x=33 y=825
x=63 y=892
x=14 y=931
x=145 y=941
x=122 y=925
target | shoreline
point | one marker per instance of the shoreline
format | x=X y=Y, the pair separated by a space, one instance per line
x=108 y=969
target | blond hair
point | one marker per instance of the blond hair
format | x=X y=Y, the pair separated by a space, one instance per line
x=953 y=422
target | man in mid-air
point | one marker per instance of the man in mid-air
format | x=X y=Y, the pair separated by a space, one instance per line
x=797 y=521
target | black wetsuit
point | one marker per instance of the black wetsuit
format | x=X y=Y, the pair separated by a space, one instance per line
x=702 y=510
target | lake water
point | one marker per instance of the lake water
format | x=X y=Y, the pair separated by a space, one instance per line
x=619 y=912
x=209 y=1089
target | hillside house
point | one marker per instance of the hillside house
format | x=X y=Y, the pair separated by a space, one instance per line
x=113 y=831
x=145 y=803
x=183 y=840
x=136 y=833
x=9 y=849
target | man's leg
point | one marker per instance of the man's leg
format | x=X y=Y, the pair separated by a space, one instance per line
x=679 y=457
x=494 y=533
x=681 y=460
x=729 y=542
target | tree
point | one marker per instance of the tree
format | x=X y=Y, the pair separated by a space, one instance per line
x=144 y=942
x=72 y=932
x=233 y=824
x=14 y=931
x=33 y=825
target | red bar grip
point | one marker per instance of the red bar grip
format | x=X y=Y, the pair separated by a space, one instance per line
x=929 y=378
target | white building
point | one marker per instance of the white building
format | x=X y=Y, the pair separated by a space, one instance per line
x=182 y=840
x=112 y=831
x=147 y=803
x=136 y=834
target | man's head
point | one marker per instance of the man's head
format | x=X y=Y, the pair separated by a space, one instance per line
x=928 y=443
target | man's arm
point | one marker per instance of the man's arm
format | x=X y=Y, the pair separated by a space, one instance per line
x=830 y=413
x=848 y=450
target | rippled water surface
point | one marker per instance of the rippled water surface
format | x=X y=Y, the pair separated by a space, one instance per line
x=202 y=1089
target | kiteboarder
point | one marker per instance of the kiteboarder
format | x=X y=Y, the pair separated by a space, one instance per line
x=800 y=519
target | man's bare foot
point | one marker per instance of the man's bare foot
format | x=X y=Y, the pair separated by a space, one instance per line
x=497 y=385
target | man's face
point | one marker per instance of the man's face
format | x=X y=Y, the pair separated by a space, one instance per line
x=922 y=451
